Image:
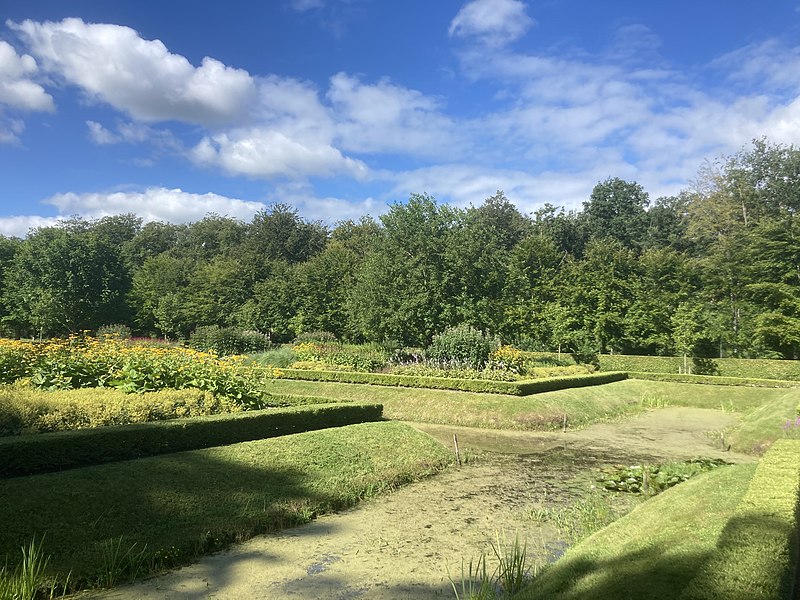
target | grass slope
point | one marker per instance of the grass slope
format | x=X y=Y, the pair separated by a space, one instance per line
x=653 y=552
x=181 y=505
x=541 y=412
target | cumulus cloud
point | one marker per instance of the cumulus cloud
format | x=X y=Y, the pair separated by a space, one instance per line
x=113 y=64
x=17 y=88
x=268 y=153
x=153 y=204
x=492 y=22
x=20 y=225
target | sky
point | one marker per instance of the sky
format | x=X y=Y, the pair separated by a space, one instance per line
x=339 y=108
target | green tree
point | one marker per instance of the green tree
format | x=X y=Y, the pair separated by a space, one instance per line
x=401 y=291
x=617 y=209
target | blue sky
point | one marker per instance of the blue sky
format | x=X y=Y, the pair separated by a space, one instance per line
x=175 y=109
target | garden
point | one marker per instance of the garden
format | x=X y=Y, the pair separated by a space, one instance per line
x=123 y=458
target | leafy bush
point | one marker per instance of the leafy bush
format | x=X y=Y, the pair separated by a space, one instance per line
x=366 y=358
x=325 y=337
x=24 y=409
x=116 y=330
x=507 y=358
x=226 y=341
x=24 y=455
x=280 y=357
x=80 y=362
x=463 y=346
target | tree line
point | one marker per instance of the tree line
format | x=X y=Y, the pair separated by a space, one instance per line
x=713 y=271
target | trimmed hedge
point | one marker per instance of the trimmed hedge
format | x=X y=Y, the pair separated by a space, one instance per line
x=756 y=555
x=24 y=455
x=746 y=368
x=27 y=410
x=514 y=388
x=712 y=380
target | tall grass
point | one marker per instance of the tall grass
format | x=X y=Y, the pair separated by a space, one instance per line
x=29 y=581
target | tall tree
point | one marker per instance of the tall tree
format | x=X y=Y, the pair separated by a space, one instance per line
x=617 y=209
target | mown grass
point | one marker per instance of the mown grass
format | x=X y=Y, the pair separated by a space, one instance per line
x=762 y=425
x=654 y=551
x=115 y=521
x=542 y=412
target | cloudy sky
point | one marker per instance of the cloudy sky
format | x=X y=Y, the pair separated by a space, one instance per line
x=179 y=108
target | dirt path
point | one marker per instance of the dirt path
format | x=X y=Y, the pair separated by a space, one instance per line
x=402 y=545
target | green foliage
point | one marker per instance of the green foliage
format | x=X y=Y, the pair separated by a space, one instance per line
x=785 y=370
x=228 y=340
x=757 y=550
x=30 y=580
x=280 y=357
x=117 y=330
x=654 y=479
x=89 y=362
x=356 y=358
x=23 y=455
x=462 y=346
x=515 y=388
x=713 y=379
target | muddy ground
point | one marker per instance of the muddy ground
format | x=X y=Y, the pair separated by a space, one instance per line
x=404 y=544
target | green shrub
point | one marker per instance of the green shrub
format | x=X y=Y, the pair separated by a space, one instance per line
x=24 y=455
x=26 y=410
x=463 y=346
x=745 y=368
x=364 y=358
x=116 y=330
x=325 y=337
x=226 y=341
x=515 y=388
x=756 y=555
x=280 y=357
x=712 y=380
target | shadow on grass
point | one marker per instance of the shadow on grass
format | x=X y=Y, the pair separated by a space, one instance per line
x=161 y=511
x=737 y=569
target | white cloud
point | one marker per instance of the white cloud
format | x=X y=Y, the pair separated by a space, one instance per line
x=18 y=226
x=113 y=64
x=767 y=66
x=18 y=91
x=153 y=204
x=269 y=153
x=384 y=117
x=492 y=22
x=304 y=5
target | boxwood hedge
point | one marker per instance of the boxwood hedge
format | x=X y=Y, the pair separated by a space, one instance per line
x=514 y=388
x=713 y=380
x=724 y=367
x=27 y=454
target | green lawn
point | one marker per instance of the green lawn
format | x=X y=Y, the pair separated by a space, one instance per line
x=543 y=411
x=177 y=506
x=653 y=552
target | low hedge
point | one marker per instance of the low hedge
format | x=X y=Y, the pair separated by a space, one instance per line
x=514 y=388
x=28 y=454
x=25 y=409
x=757 y=553
x=747 y=368
x=713 y=380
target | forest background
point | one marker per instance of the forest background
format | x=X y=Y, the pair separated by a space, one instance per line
x=713 y=271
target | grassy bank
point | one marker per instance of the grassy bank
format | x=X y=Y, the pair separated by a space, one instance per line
x=544 y=411
x=654 y=551
x=110 y=522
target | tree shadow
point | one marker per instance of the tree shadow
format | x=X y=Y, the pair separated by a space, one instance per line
x=732 y=570
x=156 y=513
